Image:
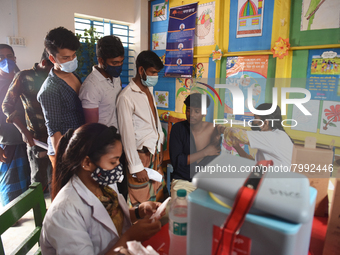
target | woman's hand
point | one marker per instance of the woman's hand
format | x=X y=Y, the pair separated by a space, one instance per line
x=148 y=208
x=143 y=229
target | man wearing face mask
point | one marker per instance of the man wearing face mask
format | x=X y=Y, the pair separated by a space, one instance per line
x=14 y=166
x=141 y=130
x=58 y=95
x=100 y=89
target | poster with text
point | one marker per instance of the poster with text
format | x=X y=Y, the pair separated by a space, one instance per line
x=323 y=74
x=185 y=85
x=246 y=72
x=159 y=12
x=320 y=14
x=180 y=41
x=330 y=121
x=308 y=123
x=205 y=20
x=159 y=41
x=250 y=18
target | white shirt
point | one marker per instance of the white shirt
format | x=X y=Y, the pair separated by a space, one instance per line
x=100 y=92
x=78 y=223
x=272 y=145
x=137 y=125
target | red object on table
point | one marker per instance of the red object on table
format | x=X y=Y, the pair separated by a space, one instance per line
x=161 y=241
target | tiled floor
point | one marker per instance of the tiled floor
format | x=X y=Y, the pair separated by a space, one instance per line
x=16 y=234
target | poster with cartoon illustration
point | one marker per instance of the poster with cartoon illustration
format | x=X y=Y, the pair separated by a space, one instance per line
x=205 y=19
x=184 y=85
x=159 y=12
x=246 y=72
x=323 y=74
x=308 y=123
x=320 y=14
x=162 y=99
x=249 y=18
x=330 y=120
x=159 y=41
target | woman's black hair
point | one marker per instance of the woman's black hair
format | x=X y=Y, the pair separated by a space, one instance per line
x=91 y=140
x=277 y=124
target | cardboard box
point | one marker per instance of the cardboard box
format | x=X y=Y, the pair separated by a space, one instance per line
x=332 y=241
x=315 y=162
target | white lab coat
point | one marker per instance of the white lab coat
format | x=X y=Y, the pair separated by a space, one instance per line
x=78 y=223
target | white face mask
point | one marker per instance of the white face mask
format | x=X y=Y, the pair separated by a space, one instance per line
x=70 y=66
x=151 y=81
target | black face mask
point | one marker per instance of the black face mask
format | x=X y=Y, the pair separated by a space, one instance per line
x=114 y=71
x=256 y=128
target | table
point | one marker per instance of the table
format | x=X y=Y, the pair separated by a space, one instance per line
x=161 y=241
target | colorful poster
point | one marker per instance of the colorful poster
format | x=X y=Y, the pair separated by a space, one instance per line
x=320 y=14
x=250 y=18
x=330 y=121
x=323 y=74
x=246 y=72
x=159 y=41
x=180 y=41
x=185 y=86
x=159 y=12
x=308 y=123
x=204 y=32
x=162 y=99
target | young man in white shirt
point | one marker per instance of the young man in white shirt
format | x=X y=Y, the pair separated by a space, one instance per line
x=141 y=130
x=99 y=91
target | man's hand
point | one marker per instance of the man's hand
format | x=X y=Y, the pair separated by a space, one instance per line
x=212 y=150
x=148 y=208
x=2 y=155
x=27 y=137
x=142 y=176
x=161 y=157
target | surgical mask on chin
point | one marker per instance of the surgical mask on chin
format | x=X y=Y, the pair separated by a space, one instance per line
x=7 y=65
x=256 y=128
x=151 y=81
x=70 y=66
x=114 y=71
x=106 y=177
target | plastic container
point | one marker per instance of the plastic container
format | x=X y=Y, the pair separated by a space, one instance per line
x=178 y=224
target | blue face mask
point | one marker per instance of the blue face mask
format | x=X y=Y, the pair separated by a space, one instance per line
x=114 y=71
x=151 y=81
x=70 y=66
x=106 y=177
x=7 y=65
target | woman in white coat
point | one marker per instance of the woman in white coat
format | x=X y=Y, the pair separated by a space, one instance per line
x=88 y=215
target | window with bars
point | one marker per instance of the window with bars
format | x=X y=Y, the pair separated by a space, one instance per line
x=103 y=28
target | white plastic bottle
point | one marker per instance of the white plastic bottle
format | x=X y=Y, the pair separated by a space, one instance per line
x=178 y=224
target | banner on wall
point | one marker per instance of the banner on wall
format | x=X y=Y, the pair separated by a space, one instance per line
x=249 y=18
x=180 y=41
x=323 y=74
x=246 y=72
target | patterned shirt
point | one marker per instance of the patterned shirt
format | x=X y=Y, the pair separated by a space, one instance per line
x=26 y=85
x=61 y=107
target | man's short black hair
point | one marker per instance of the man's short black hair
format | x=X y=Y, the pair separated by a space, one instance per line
x=61 y=38
x=44 y=56
x=109 y=47
x=6 y=46
x=148 y=59
x=195 y=100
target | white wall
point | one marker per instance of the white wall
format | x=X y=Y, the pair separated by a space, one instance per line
x=32 y=19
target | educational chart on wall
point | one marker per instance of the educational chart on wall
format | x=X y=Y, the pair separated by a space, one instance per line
x=185 y=85
x=246 y=72
x=250 y=18
x=330 y=121
x=159 y=41
x=205 y=20
x=320 y=14
x=159 y=12
x=308 y=123
x=323 y=74
x=162 y=99
x=180 y=41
